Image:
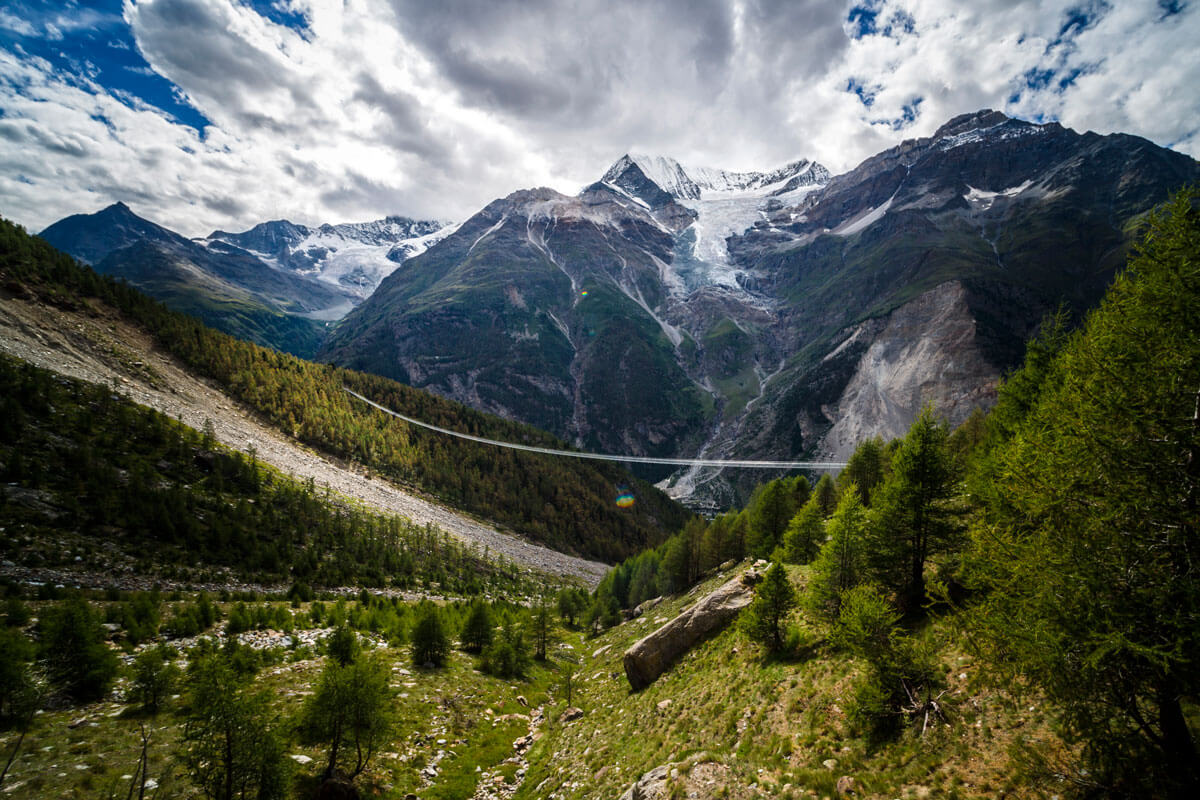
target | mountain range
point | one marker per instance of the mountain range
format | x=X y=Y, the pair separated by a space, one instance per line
x=678 y=310
x=277 y=284
x=671 y=310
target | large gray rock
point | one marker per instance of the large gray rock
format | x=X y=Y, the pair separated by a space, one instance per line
x=651 y=786
x=652 y=655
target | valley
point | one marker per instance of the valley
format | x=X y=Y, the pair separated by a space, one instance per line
x=105 y=350
x=391 y=612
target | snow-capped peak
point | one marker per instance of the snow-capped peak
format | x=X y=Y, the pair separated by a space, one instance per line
x=696 y=183
x=726 y=203
x=355 y=256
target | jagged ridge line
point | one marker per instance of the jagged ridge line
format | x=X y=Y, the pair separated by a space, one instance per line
x=683 y=462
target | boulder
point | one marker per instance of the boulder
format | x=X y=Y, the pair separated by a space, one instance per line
x=653 y=654
x=698 y=778
x=651 y=786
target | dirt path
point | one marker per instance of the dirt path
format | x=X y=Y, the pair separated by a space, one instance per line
x=105 y=349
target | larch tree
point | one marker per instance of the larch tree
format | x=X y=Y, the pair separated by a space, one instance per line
x=913 y=517
x=1086 y=557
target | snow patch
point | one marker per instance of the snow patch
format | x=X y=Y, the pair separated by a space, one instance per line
x=865 y=221
x=981 y=197
x=487 y=233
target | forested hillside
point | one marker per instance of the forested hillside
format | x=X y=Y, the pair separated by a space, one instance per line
x=1051 y=545
x=133 y=493
x=565 y=504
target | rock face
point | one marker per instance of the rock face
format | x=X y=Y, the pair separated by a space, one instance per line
x=651 y=786
x=927 y=353
x=652 y=655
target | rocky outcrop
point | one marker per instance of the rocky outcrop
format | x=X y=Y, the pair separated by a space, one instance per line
x=652 y=655
x=699 y=777
x=651 y=786
x=927 y=354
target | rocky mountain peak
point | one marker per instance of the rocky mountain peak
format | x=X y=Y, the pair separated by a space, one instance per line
x=649 y=178
x=91 y=237
x=978 y=120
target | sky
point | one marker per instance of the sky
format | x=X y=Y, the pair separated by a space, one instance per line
x=207 y=114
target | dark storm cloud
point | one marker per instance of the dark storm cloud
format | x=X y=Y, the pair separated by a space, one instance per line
x=568 y=62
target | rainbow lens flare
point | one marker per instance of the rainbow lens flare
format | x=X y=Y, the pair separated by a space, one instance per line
x=625 y=499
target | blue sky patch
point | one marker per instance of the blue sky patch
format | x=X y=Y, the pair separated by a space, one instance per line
x=278 y=12
x=866 y=94
x=1078 y=19
x=908 y=115
x=1170 y=8
x=862 y=19
x=92 y=41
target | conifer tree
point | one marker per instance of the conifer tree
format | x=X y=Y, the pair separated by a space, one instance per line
x=913 y=519
x=1086 y=555
x=770 y=513
x=826 y=494
x=841 y=563
x=477 y=630
x=351 y=711
x=228 y=746
x=766 y=618
x=865 y=468
x=78 y=661
x=430 y=644
x=805 y=534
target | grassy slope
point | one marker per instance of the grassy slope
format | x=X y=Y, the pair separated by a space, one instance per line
x=84 y=751
x=770 y=726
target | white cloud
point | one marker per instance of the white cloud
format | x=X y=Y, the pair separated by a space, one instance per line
x=14 y=23
x=389 y=106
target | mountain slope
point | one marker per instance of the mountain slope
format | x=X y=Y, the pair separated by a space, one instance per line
x=773 y=314
x=993 y=221
x=566 y=504
x=225 y=286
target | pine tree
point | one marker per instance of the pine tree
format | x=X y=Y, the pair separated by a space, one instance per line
x=429 y=642
x=865 y=468
x=826 y=495
x=770 y=513
x=543 y=630
x=228 y=746
x=478 y=628
x=841 y=563
x=351 y=711
x=78 y=661
x=766 y=618
x=805 y=534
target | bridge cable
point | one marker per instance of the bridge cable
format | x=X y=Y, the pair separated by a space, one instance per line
x=682 y=462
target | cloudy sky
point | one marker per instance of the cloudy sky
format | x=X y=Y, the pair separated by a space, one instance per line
x=204 y=114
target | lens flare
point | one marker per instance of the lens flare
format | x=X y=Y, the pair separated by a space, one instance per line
x=625 y=499
x=583 y=293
